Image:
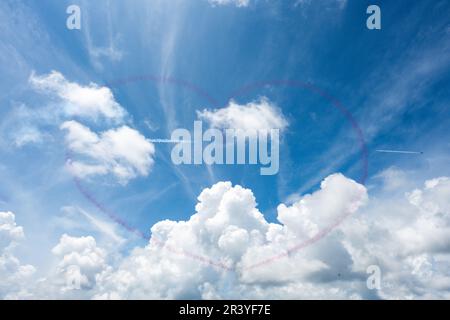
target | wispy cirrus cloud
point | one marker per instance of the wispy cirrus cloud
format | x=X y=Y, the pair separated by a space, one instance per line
x=237 y=3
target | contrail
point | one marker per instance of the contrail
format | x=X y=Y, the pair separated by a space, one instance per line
x=169 y=141
x=399 y=151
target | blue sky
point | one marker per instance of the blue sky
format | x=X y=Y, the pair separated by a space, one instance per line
x=165 y=60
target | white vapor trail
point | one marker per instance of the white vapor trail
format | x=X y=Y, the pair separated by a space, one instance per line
x=168 y=141
x=400 y=151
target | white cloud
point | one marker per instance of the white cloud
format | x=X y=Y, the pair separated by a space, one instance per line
x=91 y=101
x=237 y=3
x=228 y=228
x=27 y=135
x=21 y=126
x=80 y=262
x=75 y=219
x=257 y=115
x=25 y=125
x=311 y=213
x=14 y=276
x=409 y=238
x=430 y=230
x=10 y=232
x=406 y=237
x=122 y=152
x=341 y=3
x=110 y=52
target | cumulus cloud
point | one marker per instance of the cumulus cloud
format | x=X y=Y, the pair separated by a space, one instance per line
x=91 y=101
x=77 y=263
x=227 y=249
x=256 y=115
x=30 y=125
x=182 y=258
x=13 y=274
x=80 y=262
x=10 y=232
x=115 y=149
x=122 y=152
x=430 y=230
x=408 y=238
x=228 y=229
